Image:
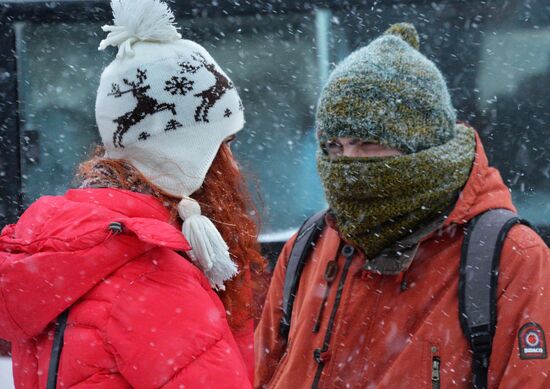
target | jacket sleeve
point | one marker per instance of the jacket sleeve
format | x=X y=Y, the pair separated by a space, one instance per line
x=524 y=298
x=169 y=331
x=268 y=345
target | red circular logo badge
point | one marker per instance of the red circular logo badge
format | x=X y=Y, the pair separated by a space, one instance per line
x=532 y=344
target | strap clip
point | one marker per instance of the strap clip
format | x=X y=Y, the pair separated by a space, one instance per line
x=481 y=341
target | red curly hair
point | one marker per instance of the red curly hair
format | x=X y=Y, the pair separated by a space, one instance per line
x=223 y=198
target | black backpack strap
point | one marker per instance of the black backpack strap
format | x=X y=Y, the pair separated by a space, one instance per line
x=477 y=290
x=305 y=240
x=56 y=349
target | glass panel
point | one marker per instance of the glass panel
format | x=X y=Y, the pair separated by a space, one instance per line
x=59 y=68
x=513 y=80
x=272 y=60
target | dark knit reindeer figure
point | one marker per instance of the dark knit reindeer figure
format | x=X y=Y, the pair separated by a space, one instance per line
x=211 y=95
x=146 y=105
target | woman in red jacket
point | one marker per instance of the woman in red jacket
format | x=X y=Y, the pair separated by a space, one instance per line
x=148 y=306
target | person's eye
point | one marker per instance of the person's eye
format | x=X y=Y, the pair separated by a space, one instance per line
x=229 y=139
x=365 y=145
x=333 y=148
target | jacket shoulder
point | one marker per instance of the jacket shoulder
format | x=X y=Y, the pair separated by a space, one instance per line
x=168 y=309
x=521 y=238
x=287 y=248
x=525 y=258
x=162 y=283
x=327 y=226
x=159 y=264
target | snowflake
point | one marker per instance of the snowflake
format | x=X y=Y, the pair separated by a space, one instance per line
x=144 y=135
x=141 y=75
x=172 y=125
x=179 y=85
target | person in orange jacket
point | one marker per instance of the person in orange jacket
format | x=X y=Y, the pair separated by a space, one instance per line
x=376 y=304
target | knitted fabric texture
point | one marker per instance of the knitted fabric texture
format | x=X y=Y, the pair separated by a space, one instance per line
x=377 y=201
x=388 y=93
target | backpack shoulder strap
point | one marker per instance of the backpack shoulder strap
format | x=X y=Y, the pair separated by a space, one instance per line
x=477 y=290
x=307 y=236
x=56 y=349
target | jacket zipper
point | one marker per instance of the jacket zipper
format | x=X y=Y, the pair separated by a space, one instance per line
x=348 y=252
x=330 y=275
x=436 y=373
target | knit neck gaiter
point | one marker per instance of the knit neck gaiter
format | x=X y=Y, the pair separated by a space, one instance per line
x=377 y=201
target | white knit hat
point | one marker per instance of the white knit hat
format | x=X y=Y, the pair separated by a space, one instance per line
x=165 y=105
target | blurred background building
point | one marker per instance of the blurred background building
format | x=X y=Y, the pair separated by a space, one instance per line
x=495 y=55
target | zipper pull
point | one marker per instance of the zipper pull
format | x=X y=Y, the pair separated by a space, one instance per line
x=436 y=372
x=330 y=275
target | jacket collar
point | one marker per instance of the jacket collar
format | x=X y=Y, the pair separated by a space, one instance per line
x=398 y=258
x=130 y=204
x=78 y=219
x=484 y=190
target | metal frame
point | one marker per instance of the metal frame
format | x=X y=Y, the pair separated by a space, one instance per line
x=10 y=181
x=78 y=10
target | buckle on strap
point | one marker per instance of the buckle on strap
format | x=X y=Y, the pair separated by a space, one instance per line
x=481 y=342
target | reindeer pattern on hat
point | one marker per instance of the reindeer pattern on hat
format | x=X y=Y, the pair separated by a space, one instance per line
x=209 y=96
x=176 y=85
x=146 y=105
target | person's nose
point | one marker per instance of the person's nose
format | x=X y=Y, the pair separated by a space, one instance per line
x=352 y=151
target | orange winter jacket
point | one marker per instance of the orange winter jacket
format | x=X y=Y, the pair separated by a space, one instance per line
x=396 y=331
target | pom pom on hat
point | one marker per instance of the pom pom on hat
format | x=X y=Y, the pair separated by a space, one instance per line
x=139 y=20
x=209 y=250
x=405 y=31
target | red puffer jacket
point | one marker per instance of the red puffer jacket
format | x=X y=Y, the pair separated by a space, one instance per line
x=140 y=315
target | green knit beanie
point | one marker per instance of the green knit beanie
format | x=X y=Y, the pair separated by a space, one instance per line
x=389 y=93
